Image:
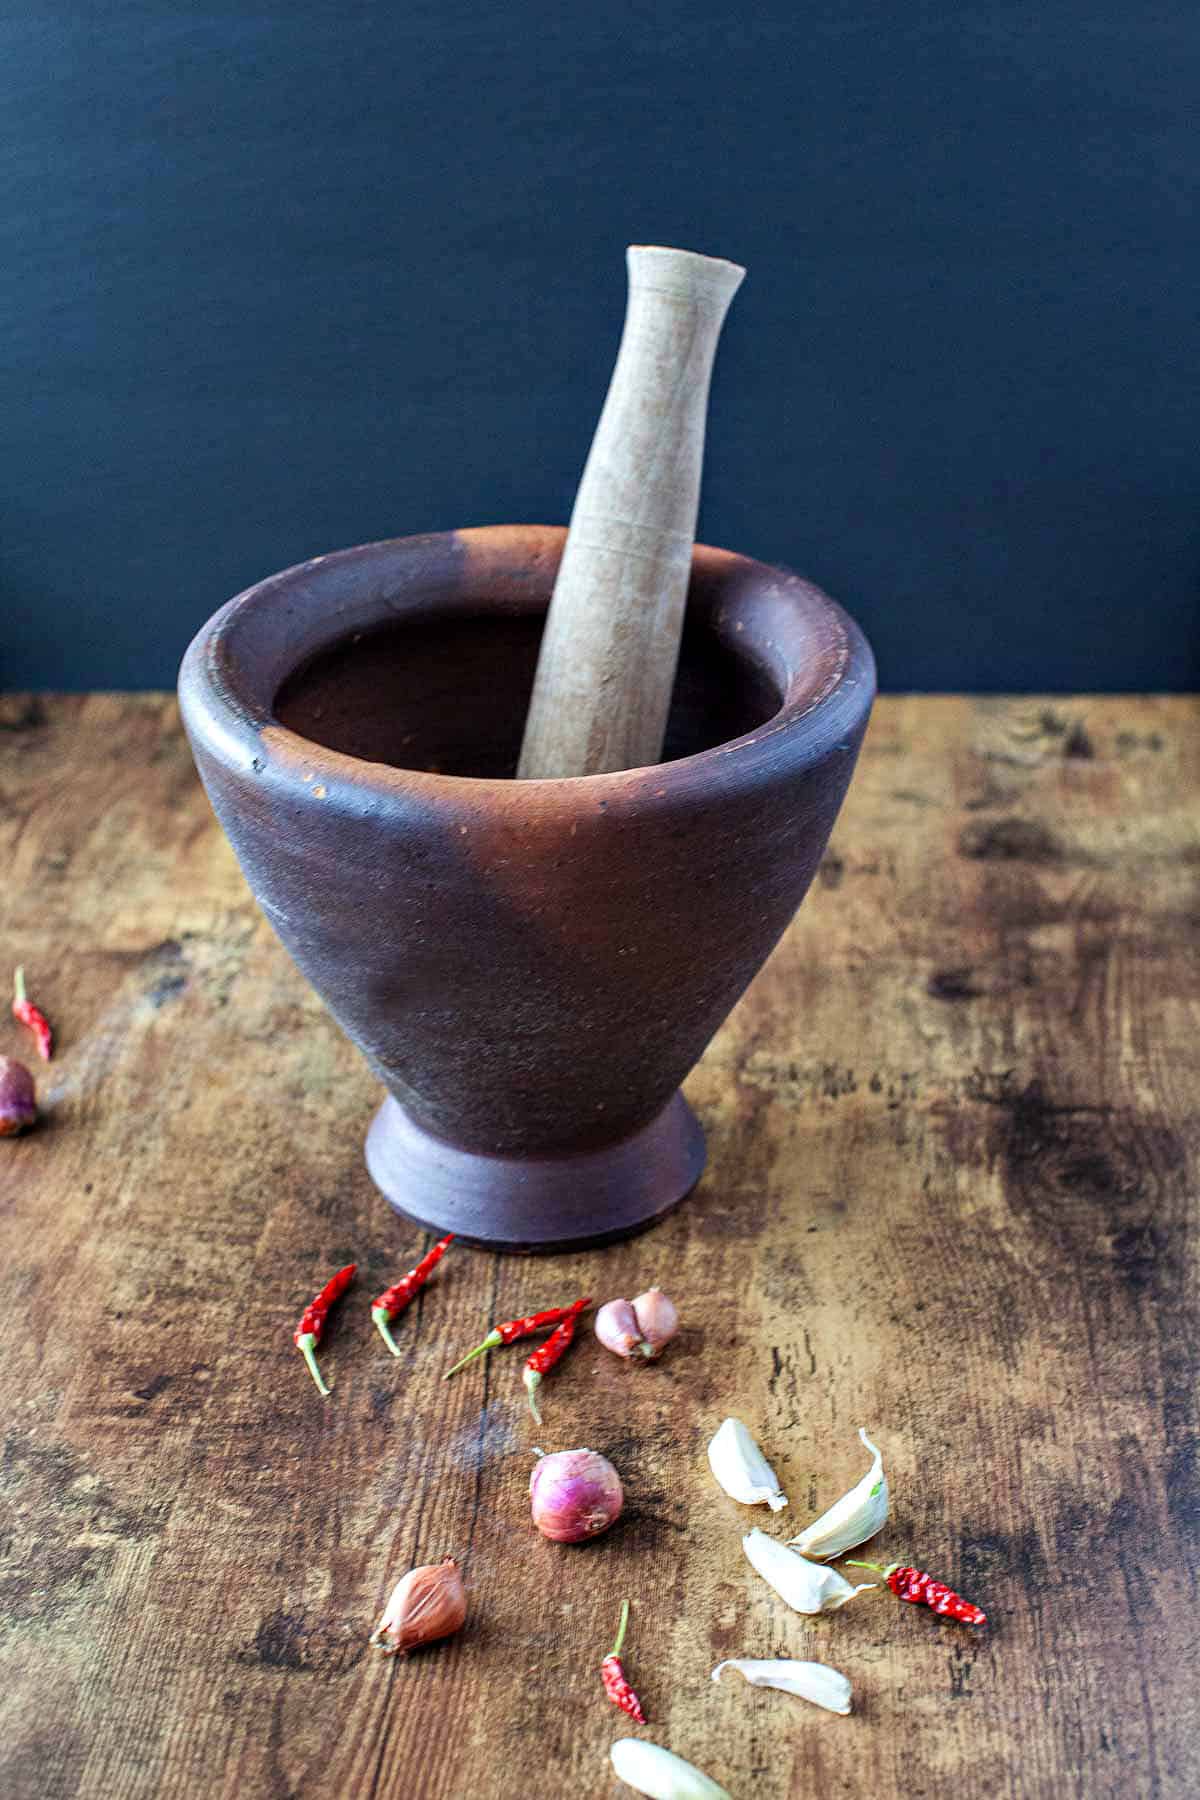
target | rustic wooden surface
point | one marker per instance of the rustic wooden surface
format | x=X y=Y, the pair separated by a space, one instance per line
x=950 y=1197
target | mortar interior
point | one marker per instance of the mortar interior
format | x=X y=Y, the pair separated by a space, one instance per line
x=450 y=696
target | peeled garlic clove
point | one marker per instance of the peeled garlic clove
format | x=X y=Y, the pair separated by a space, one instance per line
x=427 y=1603
x=811 y=1681
x=742 y=1469
x=660 y=1773
x=618 y=1329
x=807 y=1587
x=657 y=1320
x=854 y=1518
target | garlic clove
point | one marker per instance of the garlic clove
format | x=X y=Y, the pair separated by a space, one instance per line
x=857 y=1516
x=741 y=1468
x=617 y=1328
x=649 y=1769
x=807 y=1587
x=810 y=1680
x=657 y=1320
x=426 y=1604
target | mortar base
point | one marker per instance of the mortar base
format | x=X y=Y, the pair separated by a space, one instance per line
x=529 y=1204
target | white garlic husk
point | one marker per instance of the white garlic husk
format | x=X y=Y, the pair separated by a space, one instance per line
x=854 y=1518
x=807 y=1587
x=741 y=1468
x=810 y=1680
x=648 y=1769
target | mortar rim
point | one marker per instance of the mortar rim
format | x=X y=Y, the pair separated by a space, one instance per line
x=226 y=712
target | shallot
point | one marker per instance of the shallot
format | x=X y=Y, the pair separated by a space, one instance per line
x=18 y=1104
x=426 y=1604
x=641 y=1327
x=574 y=1495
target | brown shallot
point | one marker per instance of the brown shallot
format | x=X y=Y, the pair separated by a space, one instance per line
x=426 y=1604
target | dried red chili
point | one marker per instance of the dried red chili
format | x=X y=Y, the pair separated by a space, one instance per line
x=511 y=1332
x=309 y=1331
x=551 y=1352
x=393 y=1300
x=922 y=1590
x=26 y=1013
x=613 y=1675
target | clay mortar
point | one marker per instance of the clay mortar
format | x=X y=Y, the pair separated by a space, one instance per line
x=531 y=968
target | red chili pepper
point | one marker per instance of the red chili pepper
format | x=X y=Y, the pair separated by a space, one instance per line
x=510 y=1332
x=613 y=1675
x=309 y=1331
x=26 y=1013
x=393 y=1300
x=923 y=1590
x=549 y=1353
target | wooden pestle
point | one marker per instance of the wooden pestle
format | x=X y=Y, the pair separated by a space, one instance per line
x=611 y=643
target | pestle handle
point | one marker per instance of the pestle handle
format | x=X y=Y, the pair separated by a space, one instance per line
x=611 y=643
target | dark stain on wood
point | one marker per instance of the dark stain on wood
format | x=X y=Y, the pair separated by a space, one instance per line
x=1130 y=743
x=153 y=1387
x=291 y=1642
x=23 y=712
x=1078 y=743
x=953 y=984
x=67 y=1530
x=1010 y=840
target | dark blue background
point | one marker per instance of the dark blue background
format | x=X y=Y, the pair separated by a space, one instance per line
x=282 y=278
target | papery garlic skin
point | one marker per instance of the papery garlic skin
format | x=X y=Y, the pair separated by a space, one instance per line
x=810 y=1680
x=741 y=1468
x=807 y=1587
x=649 y=1769
x=426 y=1604
x=854 y=1518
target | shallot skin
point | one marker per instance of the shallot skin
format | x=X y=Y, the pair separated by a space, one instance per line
x=617 y=1328
x=574 y=1495
x=426 y=1604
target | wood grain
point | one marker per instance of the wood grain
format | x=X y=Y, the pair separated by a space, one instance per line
x=951 y=1197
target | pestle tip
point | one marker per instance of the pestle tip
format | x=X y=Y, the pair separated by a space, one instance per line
x=713 y=274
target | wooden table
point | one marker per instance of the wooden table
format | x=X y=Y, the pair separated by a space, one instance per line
x=950 y=1197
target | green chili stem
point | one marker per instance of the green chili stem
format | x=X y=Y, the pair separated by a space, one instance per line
x=382 y=1319
x=489 y=1343
x=19 y=994
x=305 y=1346
x=852 y=1562
x=616 y=1649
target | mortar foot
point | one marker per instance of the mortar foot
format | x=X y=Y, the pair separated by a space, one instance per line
x=527 y=1204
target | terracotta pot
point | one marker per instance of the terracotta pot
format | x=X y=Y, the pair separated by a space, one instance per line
x=530 y=967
